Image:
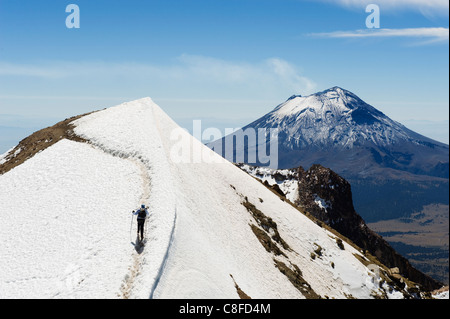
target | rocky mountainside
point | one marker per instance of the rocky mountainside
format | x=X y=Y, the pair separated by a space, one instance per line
x=328 y=197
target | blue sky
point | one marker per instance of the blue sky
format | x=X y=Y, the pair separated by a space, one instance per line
x=224 y=61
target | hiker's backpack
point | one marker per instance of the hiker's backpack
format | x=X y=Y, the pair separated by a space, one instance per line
x=142 y=214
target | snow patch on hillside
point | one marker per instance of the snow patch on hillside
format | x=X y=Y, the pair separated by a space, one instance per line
x=321 y=202
x=288 y=182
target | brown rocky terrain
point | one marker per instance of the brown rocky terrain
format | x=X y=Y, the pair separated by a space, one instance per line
x=328 y=197
x=39 y=141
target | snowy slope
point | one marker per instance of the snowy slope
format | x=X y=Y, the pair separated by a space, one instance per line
x=74 y=200
x=62 y=217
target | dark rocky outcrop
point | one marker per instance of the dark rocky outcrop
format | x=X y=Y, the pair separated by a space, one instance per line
x=328 y=197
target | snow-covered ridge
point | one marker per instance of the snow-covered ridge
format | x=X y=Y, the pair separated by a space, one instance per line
x=132 y=130
x=206 y=223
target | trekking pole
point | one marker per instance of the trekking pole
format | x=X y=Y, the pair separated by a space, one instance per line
x=131 y=226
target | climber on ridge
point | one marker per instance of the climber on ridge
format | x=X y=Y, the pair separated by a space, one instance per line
x=142 y=215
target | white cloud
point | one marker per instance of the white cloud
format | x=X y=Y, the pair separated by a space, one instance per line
x=29 y=70
x=290 y=75
x=267 y=72
x=185 y=71
x=432 y=34
x=427 y=7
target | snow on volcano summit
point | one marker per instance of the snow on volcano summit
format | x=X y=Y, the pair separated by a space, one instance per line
x=335 y=115
x=67 y=232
